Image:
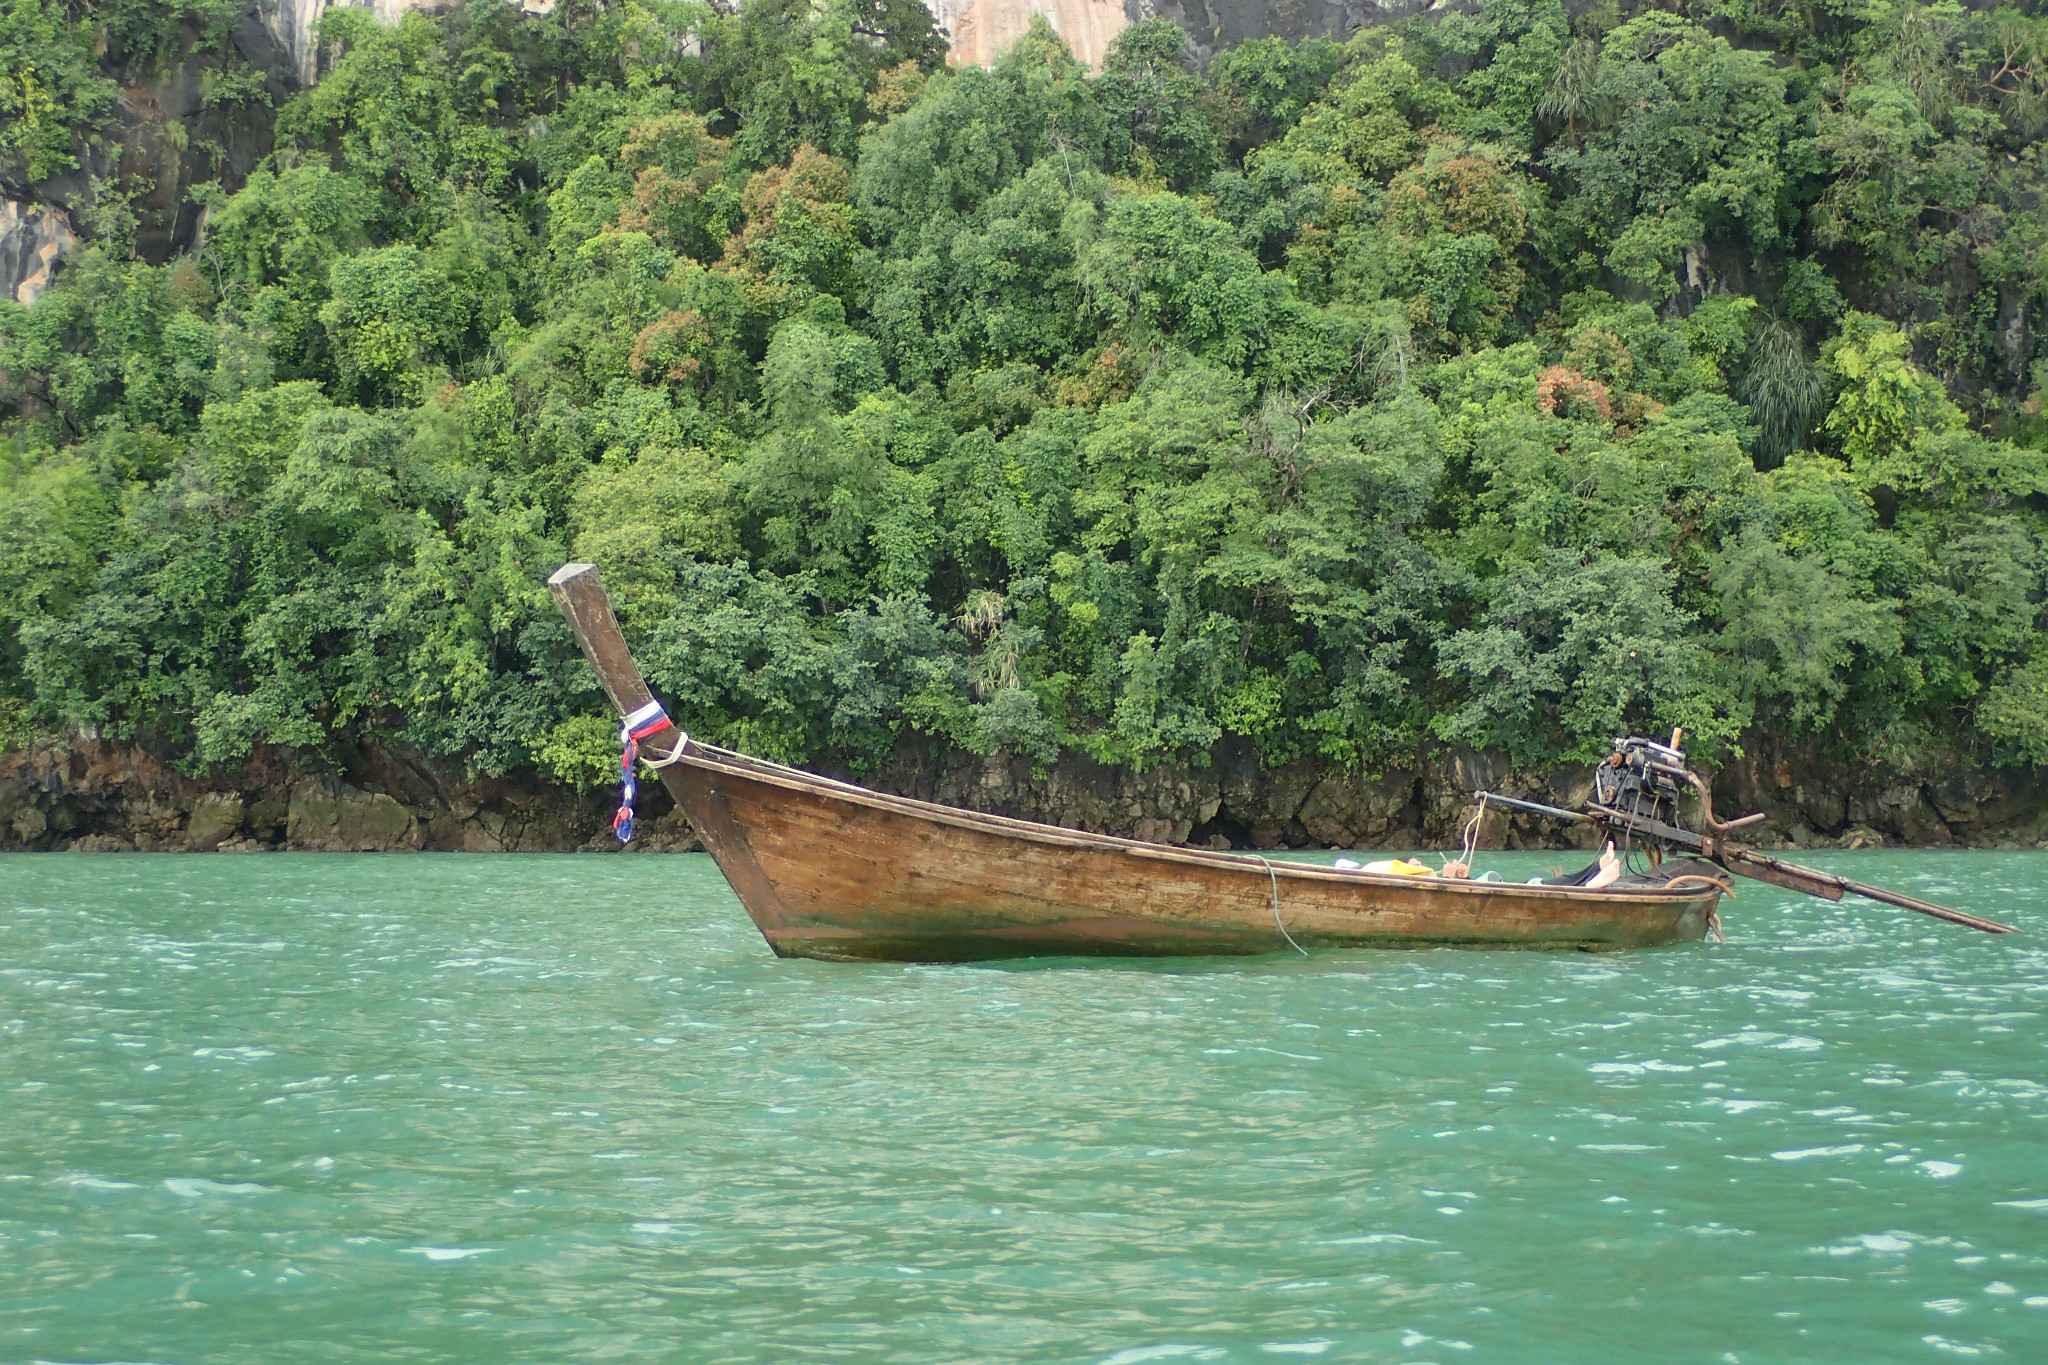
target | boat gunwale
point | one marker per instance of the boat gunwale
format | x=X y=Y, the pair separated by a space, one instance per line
x=715 y=759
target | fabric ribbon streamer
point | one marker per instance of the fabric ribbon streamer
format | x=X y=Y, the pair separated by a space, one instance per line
x=648 y=720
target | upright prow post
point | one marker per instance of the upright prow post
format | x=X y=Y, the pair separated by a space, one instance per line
x=589 y=612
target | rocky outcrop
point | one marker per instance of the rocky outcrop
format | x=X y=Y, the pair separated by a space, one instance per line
x=329 y=816
x=92 y=794
x=170 y=133
x=977 y=31
x=33 y=239
x=89 y=793
x=1235 y=801
x=1812 y=800
x=282 y=36
x=292 y=27
x=216 y=818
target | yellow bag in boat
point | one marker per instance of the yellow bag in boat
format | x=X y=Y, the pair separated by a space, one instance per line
x=1401 y=867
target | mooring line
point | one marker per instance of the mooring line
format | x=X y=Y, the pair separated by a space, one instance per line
x=1274 y=878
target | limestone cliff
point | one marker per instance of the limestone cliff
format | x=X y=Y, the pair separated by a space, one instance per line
x=293 y=27
x=166 y=137
x=978 y=30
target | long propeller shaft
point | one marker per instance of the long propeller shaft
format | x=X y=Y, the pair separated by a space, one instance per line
x=1743 y=860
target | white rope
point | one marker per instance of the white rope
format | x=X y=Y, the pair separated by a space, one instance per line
x=682 y=743
x=1274 y=878
x=1468 y=843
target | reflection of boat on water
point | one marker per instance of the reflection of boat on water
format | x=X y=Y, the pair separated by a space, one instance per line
x=829 y=869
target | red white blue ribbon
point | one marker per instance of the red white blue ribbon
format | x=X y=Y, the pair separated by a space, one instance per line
x=648 y=720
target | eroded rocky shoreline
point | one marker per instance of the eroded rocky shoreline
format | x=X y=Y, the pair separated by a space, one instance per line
x=91 y=794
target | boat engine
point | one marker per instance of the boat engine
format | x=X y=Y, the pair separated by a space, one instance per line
x=1634 y=805
x=1642 y=779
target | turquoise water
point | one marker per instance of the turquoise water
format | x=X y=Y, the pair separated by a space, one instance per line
x=440 y=1108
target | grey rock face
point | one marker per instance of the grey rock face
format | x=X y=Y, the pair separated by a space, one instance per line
x=89 y=793
x=33 y=239
x=333 y=817
x=291 y=28
x=215 y=818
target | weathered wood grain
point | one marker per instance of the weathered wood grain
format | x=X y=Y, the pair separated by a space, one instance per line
x=860 y=874
x=829 y=869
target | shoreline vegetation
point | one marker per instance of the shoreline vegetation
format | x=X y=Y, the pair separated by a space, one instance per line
x=1269 y=450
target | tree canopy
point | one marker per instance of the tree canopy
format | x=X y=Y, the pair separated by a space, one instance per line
x=1500 y=378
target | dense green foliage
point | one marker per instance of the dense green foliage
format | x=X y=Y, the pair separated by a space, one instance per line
x=60 y=63
x=1501 y=379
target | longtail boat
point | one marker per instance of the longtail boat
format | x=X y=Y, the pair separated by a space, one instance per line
x=832 y=870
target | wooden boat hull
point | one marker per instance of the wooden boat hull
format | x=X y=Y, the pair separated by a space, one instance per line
x=828 y=869
x=834 y=871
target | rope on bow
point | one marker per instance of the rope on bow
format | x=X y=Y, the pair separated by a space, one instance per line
x=674 y=754
x=648 y=720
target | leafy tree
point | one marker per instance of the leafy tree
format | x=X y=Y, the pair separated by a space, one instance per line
x=54 y=91
x=1263 y=84
x=1783 y=389
x=1574 y=92
x=1495 y=378
x=389 y=314
x=1160 y=125
x=1594 y=641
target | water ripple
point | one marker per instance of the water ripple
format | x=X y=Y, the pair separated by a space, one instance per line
x=451 y=1108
